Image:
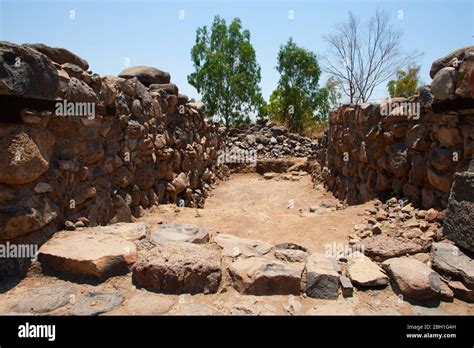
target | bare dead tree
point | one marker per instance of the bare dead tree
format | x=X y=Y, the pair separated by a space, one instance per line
x=363 y=57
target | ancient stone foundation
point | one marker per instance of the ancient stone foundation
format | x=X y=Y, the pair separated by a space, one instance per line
x=404 y=147
x=78 y=149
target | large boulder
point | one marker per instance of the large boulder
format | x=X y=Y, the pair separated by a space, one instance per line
x=27 y=73
x=259 y=276
x=445 y=61
x=60 y=55
x=448 y=259
x=458 y=225
x=25 y=153
x=413 y=278
x=146 y=75
x=179 y=268
x=88 y=255
x=444 y=84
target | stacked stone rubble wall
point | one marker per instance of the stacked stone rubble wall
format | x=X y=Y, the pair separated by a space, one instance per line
x=143 y=144
x=406 y=147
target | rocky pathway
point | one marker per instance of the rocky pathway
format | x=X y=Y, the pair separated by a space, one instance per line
x=260 y=246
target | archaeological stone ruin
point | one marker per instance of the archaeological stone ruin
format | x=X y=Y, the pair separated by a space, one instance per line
x=83 y=158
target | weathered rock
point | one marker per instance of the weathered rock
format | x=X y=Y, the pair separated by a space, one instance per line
x=449 y=260
x=443 y=62
x=461 y=291
x=259 y=276
x=382 y=247
x=362 y=271
x=322 y=280
x=146 y=303
x=171 y=233
x=336 y=308
x=377 y=311
x=87 y=255
x=252 y=307
x=465 y=78
x=25 y=153
x=79 y=91
x=128 y=231
x=346 y=286
x=27 y=73
x=413 y=278
x=444 y=84
x=194 y=309
x=179 y=268
x=60 y=55
x=290 y=255
x=95 y=303
x=146 y=75
x=25 y=215
x=234 y=246
x=45 y=299
x=458 y=225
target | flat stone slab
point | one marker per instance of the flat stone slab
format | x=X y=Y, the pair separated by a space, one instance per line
x=234 y=246
x=322 y=280
x=382 y=247
x=448 y=259
x=414 y=278
x=337 y=308
x=146 y=303
x=87 y=255
x=172 y=233
x=45 y=299
x=194 y=309
x=129 y=231
x=290 y=255
x=364 y=272
x=377 y=311
x=179 y=268
x=259 y=276
x=252 y=307
x=95 y=303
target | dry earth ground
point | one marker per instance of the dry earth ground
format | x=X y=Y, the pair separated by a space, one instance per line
x=249 y=206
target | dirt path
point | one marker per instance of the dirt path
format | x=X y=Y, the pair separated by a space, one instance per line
x=276 y=211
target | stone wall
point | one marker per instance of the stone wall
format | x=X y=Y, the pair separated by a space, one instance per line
x=63 y=166
x=404 y=147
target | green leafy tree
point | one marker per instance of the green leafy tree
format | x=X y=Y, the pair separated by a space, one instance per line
x=330 y=97
x=297 y=96
x=406 y=83
x=226 y=72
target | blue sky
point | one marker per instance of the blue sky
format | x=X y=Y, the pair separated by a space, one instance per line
x=108 y=33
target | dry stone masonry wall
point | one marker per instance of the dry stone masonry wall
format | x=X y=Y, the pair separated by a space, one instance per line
x=78 y=149
x=405 y=147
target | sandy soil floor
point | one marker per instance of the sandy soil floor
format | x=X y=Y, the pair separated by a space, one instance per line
x=249 y=206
